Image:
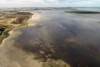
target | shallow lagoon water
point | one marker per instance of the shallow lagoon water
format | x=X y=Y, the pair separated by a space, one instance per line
x=73 y=38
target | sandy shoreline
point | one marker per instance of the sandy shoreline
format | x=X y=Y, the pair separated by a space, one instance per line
x=8 y=50
x=11 y=32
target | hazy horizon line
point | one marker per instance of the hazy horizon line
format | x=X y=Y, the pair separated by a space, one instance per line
x=49 y=7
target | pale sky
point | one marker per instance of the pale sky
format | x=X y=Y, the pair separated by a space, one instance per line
x=49 y=3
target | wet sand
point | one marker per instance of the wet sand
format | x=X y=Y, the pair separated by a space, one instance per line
x=73 y=38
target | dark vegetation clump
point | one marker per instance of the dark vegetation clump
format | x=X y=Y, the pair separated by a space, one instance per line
x=22 y=17
x=19 y=20
x=2 y=30
x=83 y=12
x=24 y=13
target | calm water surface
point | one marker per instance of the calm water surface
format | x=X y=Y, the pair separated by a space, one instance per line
x=74 y=38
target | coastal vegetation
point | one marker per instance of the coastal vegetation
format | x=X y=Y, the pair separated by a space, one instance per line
x=11 y=20
x=83 y=12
